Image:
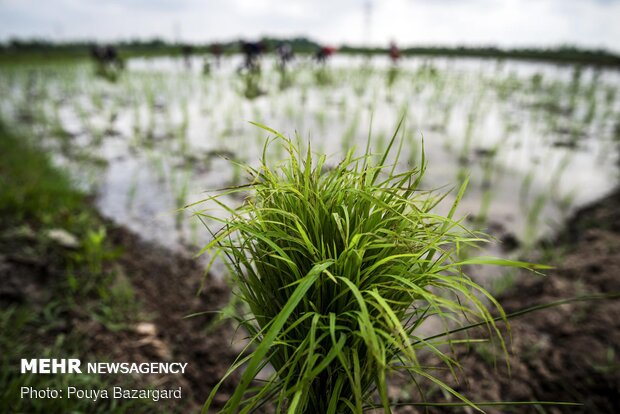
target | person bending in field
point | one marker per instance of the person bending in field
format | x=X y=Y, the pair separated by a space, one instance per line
x=108 y=63
x=187 y=51
x=106 y=56
x=394 y=53
x=324 y=53
x=251 y=53
x=217 y=50
x=284 y=50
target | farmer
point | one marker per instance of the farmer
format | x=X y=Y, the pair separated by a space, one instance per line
x=187 y=51
x=324 y=53
x=251 y=52
x=284 y=50
x=106 y=56
x=394 y=53
x=217 y=50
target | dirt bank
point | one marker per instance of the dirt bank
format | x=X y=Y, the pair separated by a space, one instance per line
x=164 y=291
x=566 y=353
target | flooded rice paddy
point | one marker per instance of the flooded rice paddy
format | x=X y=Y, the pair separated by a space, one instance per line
x=536 y=140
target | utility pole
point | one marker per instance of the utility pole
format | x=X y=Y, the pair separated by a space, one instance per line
x=367 y=22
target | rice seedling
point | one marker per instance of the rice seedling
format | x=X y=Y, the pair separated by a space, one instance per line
x=560 y=171
x=285 y=80
x=348 y=138
x=524 y=190
x=183 y=127
x=180 y=184
x=533 y=219
x=132 y=190
x=323 y=77
x=321 y=119
x=469 y=131
x=252 y=87
x=339 y=267
x=413 y=146
x=485 y=206
x=392 y=75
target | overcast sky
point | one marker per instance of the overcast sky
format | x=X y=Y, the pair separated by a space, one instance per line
x=590 y=23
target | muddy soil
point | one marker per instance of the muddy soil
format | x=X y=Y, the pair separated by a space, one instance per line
x=565 y=353
x=170 y=288
x=167 y=287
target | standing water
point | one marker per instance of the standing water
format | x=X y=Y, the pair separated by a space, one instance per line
x=536 y=140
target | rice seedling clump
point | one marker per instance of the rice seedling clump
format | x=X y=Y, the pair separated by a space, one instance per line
x=339 y=267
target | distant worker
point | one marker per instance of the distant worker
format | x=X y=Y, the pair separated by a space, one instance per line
x=251 y=52
x=285 y=54
x=217 y=50
x=394 y=53
x=324 y=53
x=187 y=51
x=106 y=56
